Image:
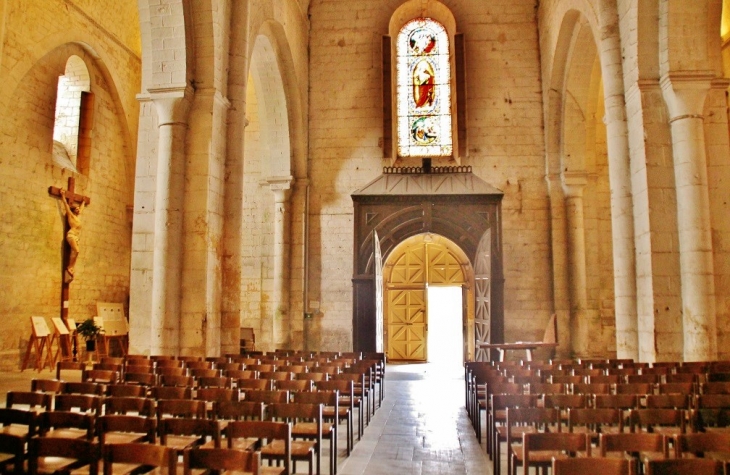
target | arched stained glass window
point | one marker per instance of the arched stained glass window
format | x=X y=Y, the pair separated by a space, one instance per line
x=423 y=90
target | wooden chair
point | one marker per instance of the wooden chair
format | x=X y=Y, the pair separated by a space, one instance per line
x=668 y=401
x=171 y=392
x=125 y=390
x=712 y=412
x=238 y=410
x=634 y=388
x=266 y=397
x=52 y=456
x=594 y=422
x=100 y=376
x=301 y=450
x=198 y=365
x=539 y=449
x=519 y=421
x=84 y=387
x=547 y=388
x=125 y=429
x=684 y=467
x=18 y=427
x=256 y=384
x=214 y=382
x=140 y=406
x=639 y=446
x=184 y=432
x=28 y=400
x=676 y=388
x=236 y=374
x=78 y=402
x=590 y=389
x=53 y=386
x=294 y=385
x=360 y=393
x=67 y=425
x=76 y=367
x=18 y=423
x=218 y=460
x=12 y=452
x=176 y=380
x=497 y=419
x=272 y=440
x=276 y=375
x=713 y=445
x=216 y=394
x=328 y=427
x=346 y=408
x=169 y=363
x=143 y=379
x=198 y=373
x=590 y=465
x=720 y=387
x=670 y=422
x=230 y=366
x=187 y=408
x=138 y=458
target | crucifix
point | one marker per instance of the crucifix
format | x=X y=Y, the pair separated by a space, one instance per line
x=73 y=205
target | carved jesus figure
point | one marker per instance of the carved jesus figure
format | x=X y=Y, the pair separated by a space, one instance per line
x=73 y=216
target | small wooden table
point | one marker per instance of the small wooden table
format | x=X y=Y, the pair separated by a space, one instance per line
x=528 y=346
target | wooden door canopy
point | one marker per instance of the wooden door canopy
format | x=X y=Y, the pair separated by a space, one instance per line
x=404 y=202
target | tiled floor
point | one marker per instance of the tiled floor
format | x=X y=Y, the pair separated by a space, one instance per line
x=422 y=427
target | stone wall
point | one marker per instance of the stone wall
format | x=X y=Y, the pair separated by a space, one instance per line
x=505 y=147
x=38 y=38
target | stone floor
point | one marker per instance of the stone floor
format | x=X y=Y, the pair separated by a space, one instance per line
x=422 y=427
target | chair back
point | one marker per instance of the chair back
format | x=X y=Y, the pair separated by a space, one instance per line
x=592 y=465
x=140 y=454
x=684 y=467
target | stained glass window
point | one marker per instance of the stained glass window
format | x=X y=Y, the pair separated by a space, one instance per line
x=423 y=90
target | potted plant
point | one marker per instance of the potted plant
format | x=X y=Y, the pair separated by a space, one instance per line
x=89 y=331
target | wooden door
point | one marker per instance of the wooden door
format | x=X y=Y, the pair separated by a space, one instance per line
x=482 y=293
x=407 y=325
x=378 y=294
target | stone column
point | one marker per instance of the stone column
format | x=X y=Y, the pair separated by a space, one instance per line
x=172 y=105
x=619 y=172
x=685 y=95
x=573 y=185
x=281 y=186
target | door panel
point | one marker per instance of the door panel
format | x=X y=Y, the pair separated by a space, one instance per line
x=482 y=301
x=407 y=324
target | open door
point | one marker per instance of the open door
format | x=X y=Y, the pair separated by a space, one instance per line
x=378 y=294
x=482 y=296
x=407 y=324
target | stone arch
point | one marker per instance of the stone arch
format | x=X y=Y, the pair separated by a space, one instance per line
x=578 y=175
x=440 y=271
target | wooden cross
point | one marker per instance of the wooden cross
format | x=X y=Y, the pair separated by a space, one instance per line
x=71 y=198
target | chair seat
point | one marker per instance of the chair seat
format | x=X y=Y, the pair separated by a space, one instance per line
x=309 y=429
x=537 y=457
x=180 y=442
x=124 y=437
x=299 y=448
x=16 y=430
x=516 y=431
x=49 y=465
x=67 y=433
x=242 y=443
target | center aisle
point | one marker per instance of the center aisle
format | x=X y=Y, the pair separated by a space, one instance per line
x=422 y=427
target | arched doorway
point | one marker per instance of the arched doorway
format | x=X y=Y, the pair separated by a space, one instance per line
x=443 y=201
x=426 y=294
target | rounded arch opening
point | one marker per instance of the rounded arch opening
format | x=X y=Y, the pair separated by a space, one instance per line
x=428 y=301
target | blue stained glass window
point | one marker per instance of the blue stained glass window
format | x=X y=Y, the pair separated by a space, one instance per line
x=423 y=84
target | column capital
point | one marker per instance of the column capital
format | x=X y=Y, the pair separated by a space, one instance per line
x=574 y=183
x=685 y=92
x=281 y=186
x=172 y=103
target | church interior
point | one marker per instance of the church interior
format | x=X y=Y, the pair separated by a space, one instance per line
x=287 y=167
x=423 y=180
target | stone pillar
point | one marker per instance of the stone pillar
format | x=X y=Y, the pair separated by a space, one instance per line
x=281 y=186
x=619 y=171
x=172 y=105
x=685 y=95
x=573 y=185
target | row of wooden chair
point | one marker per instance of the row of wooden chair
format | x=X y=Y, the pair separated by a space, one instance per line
x=621 y=454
